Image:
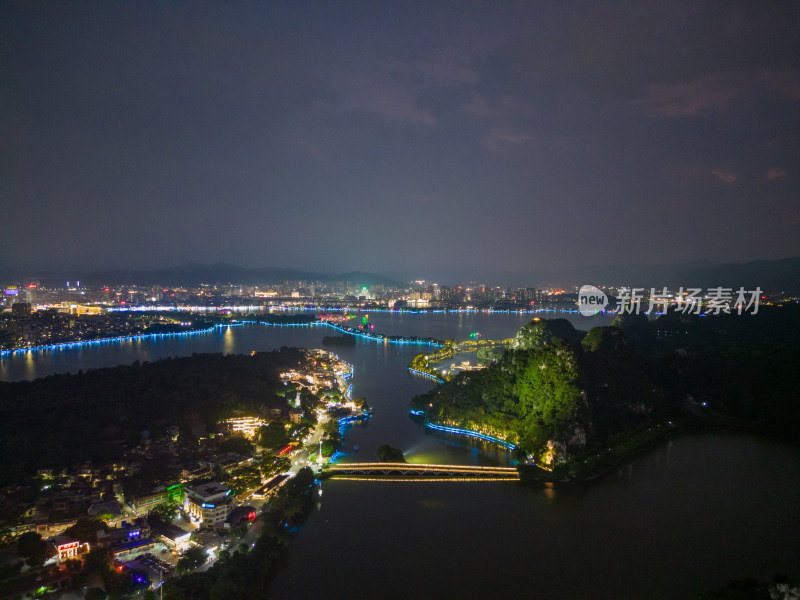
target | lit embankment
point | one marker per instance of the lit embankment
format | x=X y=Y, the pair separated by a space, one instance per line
x=416 y=472
x=421 y=363
x=111 y=340
x=373 y=337
x=425 y=374
x=470 y=433
x=379 y=337
x=419 y=415
x=355 y=418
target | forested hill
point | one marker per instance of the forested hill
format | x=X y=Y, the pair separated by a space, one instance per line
x=558 y=398
x=61 y=420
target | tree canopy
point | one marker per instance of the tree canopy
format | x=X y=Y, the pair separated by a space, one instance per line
x=191 y=559
x=390 y=454
x=542 y=332
x=556 y=397
x=273 y=435
x=119 y=403
x=237 y=444
x=34 y=549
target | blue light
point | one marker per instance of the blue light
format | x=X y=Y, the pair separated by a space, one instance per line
x=354 y=418
x=470 y=433
x=71 y=345
x=369 y=336
x=428 y=375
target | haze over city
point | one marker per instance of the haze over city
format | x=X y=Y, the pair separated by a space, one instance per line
x=427 y=139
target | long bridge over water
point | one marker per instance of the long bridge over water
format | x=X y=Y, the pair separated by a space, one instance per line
x=417 y=472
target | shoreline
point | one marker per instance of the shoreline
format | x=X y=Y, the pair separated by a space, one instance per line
x=718 y=425
x=143 y=336
x=107 y=340
x=573 y=472
x=610 y=461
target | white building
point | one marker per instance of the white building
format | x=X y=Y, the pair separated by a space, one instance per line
x=248 y=426
x=208 y=504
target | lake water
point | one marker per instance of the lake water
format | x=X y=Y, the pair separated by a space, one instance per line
x=691 y=515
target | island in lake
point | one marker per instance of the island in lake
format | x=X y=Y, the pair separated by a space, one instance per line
x=338 y=340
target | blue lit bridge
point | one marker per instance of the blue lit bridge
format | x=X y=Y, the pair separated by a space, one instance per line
x=415 y=472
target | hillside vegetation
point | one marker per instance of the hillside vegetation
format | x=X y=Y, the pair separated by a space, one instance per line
x=47 y=422
x=562 y=400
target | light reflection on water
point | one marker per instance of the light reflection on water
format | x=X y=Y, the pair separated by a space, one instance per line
x=228 y=342
x=691 y=515
x=380 y=374
x=711 y=509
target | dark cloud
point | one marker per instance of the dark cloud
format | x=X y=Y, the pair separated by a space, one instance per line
x=398 y=137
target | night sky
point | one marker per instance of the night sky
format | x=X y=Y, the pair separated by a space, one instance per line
x=424 y=139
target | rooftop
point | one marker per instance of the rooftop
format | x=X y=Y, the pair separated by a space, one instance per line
x=210 y=490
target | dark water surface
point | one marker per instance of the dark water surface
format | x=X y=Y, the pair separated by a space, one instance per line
x=691 y=515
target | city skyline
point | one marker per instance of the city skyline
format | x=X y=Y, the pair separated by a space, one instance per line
x=777 y=276
x=504 y=138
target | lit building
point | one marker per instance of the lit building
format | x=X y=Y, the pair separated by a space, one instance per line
x=132 y=549
x=208 y=504
x=136 y=531
x=296 y=415
x=175 y=537
x=142 y=504
x=248 y=426
x=67 y=547
x=78 y=309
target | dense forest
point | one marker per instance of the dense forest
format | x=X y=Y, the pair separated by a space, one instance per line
x=44 y=423
x=559 y=394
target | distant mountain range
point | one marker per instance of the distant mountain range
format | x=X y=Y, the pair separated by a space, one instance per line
x=771 y=275
x=193 y=275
